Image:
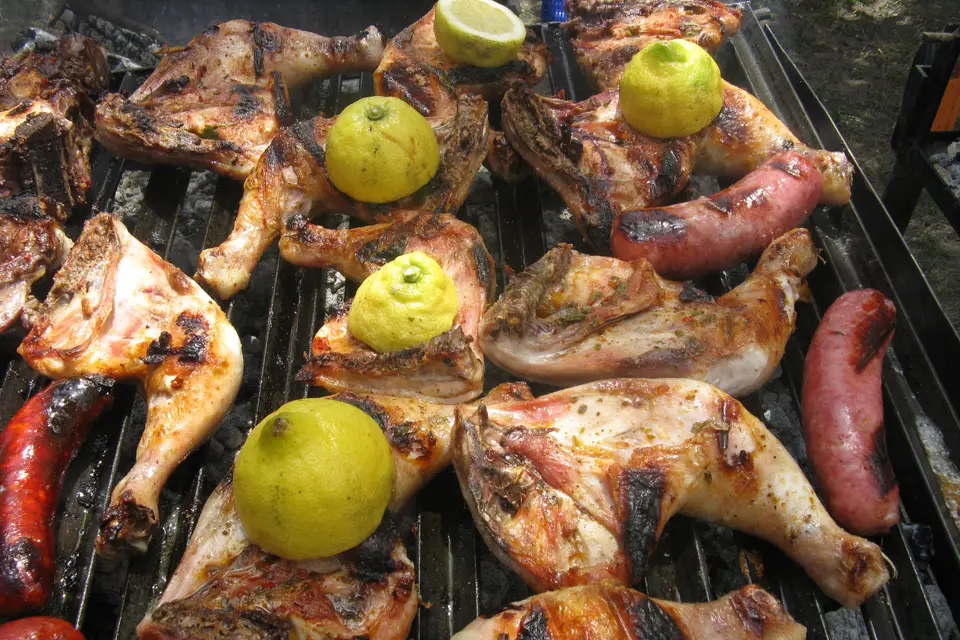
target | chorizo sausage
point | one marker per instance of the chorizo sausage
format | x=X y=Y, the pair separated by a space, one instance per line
x=35 y=449
x=842 y=404
x=705 y=235
x=39 y=628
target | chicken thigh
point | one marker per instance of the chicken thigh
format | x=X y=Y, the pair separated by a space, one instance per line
x=576 y=486
x=448 y=368
x=573 y=318
x=118 y=310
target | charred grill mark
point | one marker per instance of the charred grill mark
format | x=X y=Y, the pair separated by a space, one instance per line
x=481 y=260
x=20 y=108
x=750 y=611
x=406 y=438
x=692 y=293
x=647 y=225
x=248 y=105
x=870 y=334
x=641 y=491
x=274 y=154
x=372 y=559
x=670 y=176
x=383 y=249
x=18 y=561
x=303 y=131
x=368 y=406
x=406 y=83
x=284 y=114
x=793 y=168
x=194 y=349
x=729 y=123
x=651 y=622
x=880 y=463
x=470 y=74
x=534 y=625
x=140 y=118
x=31 y=208
x=723 y=204
x=72 y=399
x=174 y=85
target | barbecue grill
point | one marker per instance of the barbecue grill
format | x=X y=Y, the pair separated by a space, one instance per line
x=178 y=213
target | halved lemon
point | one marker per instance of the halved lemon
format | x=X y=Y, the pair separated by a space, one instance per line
x=478 y=32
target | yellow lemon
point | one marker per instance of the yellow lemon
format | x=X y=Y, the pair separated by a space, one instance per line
x=313 y=479
x=671 y=89
x=483 y=33
x=380 y=150
x=404 y=304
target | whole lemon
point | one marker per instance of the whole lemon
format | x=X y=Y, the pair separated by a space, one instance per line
x=313 y=479
x=405 y=303
x=671 y=89
x=482 y=33
x=381 y=149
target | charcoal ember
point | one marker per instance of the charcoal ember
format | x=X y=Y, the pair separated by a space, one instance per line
x=941 y=609
x=128 y=198
x=723 y=557
x=846 y=624
x=129 y=44
x=498 y=586
x=947 y=164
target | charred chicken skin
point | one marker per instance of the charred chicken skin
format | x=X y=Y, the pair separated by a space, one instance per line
x=46 y=111
x=118 y=310
x=576 y=486
x=32 y=244
x=218 y=102
x=602 y=167
x=448 y=368
x=226 y=587
x=606 y=34
x=291 y=180
x=614 y=612
x=573 y=318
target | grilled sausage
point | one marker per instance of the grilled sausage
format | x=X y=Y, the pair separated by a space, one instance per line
x=692 y=239
x=39 y=628
x=35 y=449
x=842 y=406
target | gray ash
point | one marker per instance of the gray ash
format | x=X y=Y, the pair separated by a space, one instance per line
x=947 y=164
x=846 y=624
x=137 y=47
x=128 y=199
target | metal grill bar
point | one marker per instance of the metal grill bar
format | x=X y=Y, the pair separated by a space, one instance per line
x=457 y=574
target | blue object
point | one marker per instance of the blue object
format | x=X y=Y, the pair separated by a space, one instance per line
x=553 y=10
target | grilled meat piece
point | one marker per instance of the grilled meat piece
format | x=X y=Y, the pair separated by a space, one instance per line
x=448 y=368
x=601 y=166
x=572 y=318
x=606 y=34
x=228 y=588
x=46 y=107
x=291 y=180
x=217 y=102
x=222 y=579
x=576 y=486
x=32 y=244
x=612 y=612
x=118 y=310
x=416 y=70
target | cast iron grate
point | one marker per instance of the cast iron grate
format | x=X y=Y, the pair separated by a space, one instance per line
x=178 y=213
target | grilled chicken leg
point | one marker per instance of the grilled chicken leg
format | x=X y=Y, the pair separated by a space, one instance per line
x=601 y=166
x=291 y=180
x=223 y=579
x=610 y=612
x=576 y=486
x=118 y=310
x=217 y=102
x=448 y=368
x=573 y=318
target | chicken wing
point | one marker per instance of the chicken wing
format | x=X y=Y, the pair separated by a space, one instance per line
x=32 y=244
x=46 y=110
x=573 y=318
x=232 y=588
x=606 y=34
x=448 y=368
x=291 y=180
x=217 y=102
x=118 y=310
x=601 y=166
x=612 y=612
x=576 y=486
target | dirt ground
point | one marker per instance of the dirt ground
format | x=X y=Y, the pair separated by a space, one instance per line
x=856 y=55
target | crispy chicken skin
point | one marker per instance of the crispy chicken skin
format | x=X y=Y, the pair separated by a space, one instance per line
x=611 y=612
x=601 y=166
x=218 y=102
x=576 y=486
x=32 y=244
x=224 y=587
x=118 y=310
x=291 y=180
x=448 y=368
x=606 y=34
x=572 y=318
x=415 y=69
x=46 y=110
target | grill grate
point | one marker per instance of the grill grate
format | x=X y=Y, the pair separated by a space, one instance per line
x=695 y=561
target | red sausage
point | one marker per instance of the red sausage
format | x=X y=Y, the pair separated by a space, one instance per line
x=35 y=449
x=692 y=239
x=842 y=406
x=39 y=628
